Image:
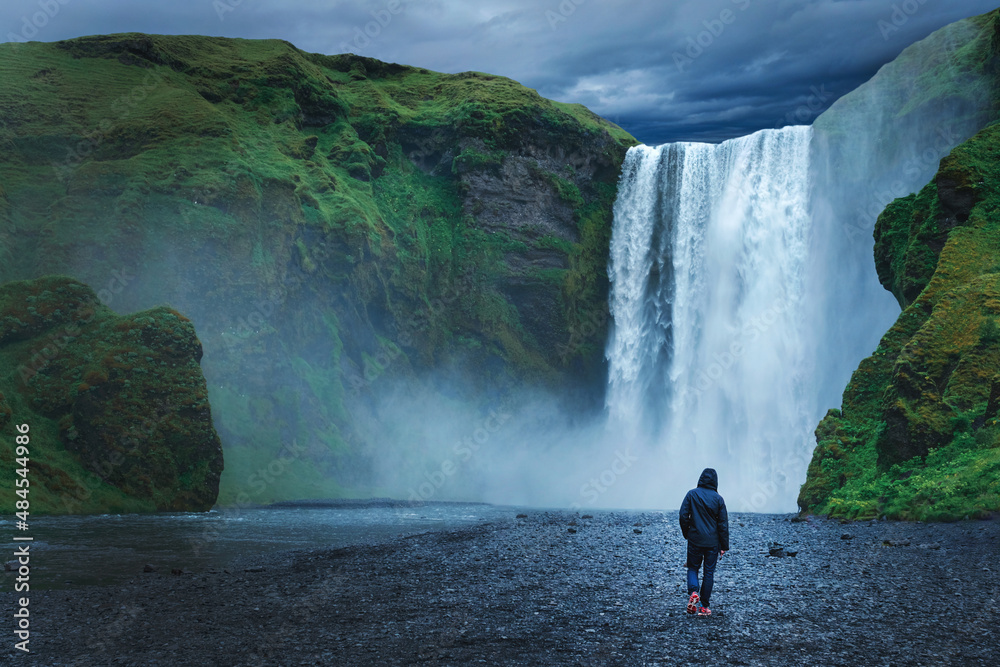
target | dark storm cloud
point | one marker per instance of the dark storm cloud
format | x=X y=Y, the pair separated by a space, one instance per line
x=677 y=70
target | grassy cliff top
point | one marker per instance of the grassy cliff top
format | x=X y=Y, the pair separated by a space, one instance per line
x=207 y=70
x=139 y=117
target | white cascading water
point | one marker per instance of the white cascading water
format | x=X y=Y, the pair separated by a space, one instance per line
x=708 y=356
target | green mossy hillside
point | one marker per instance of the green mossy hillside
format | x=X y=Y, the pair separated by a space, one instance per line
x=950 y=75
x=116 y=407
x=918 y=436
x=329 y=223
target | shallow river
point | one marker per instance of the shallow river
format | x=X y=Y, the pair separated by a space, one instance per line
x=69 y=551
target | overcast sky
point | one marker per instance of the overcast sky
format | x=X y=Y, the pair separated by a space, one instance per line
x=665 y=70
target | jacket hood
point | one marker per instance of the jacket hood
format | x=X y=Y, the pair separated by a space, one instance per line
x=709 y=479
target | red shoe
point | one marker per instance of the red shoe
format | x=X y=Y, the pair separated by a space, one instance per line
x=693 y=602
x=704 y=611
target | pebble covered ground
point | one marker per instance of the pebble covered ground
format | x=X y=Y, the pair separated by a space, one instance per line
x=555 y=588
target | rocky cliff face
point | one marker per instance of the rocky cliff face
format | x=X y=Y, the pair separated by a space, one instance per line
x=917 y=436
x=331 y=224
x=116 y=406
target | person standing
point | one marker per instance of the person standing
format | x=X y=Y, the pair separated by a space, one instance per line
x=705 y=525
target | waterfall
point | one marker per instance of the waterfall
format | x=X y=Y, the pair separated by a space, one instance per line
x=709 y=354
x=743 y=287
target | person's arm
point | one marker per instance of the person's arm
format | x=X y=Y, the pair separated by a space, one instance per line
x=723 y=524
x=685 y=515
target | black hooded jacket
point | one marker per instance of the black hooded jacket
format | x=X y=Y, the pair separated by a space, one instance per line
x=704 y=520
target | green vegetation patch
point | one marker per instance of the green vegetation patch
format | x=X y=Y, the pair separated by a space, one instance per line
x=116 y=406
x=918 y=435
x=309 y=213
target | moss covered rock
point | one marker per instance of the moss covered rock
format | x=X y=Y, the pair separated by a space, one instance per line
x=918 y=435
x=117 y=406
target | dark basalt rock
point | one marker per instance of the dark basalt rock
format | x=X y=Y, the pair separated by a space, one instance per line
x=505 y=593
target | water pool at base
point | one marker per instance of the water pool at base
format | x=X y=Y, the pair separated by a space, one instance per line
x=71 y=551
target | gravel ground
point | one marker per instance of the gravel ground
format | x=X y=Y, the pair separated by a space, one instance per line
x=529 y=591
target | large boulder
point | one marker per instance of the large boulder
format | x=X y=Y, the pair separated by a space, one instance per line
x=116 y=405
